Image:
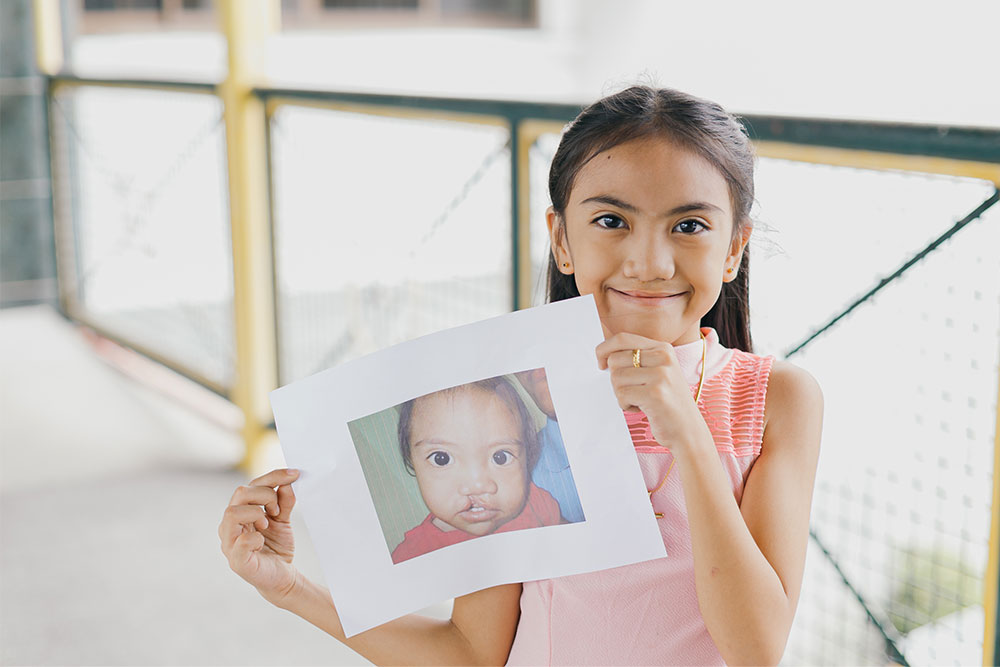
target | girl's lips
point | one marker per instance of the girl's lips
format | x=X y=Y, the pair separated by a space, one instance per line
x=644 y=298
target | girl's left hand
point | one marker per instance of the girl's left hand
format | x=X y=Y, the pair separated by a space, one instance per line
x=657 y=387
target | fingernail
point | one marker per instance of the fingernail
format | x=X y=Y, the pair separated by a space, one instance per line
x=293 y=471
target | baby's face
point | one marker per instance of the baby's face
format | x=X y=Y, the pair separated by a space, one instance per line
x=469 y=460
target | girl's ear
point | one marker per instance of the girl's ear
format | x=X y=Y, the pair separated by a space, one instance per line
x=557 y=238
x=732 y=265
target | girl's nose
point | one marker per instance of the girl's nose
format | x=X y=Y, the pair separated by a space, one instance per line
x=648 y=257
x=478 y=481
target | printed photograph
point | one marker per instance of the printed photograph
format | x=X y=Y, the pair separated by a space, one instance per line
x=471 y=460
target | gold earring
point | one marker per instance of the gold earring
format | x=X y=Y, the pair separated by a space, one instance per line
x=729 y=270
x=565 y=265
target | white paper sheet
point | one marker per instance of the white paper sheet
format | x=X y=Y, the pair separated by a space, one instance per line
x=354 y=521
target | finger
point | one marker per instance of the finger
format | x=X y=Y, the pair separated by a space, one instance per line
x=619 y=342
x=635 y=377
x=286 y=501
x=229 y=530
x=243 y=549
x=256 y=495
x=246 y=515
x=626 y=358
x=631 y=398
x=661 y=354
x=276 y=477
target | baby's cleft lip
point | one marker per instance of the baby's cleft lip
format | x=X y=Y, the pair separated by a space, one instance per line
x=477 y=511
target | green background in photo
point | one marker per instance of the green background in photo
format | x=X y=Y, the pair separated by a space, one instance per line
x=393 y=489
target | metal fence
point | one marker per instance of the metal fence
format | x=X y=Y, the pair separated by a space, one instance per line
x=143 y=236
x=874 y=266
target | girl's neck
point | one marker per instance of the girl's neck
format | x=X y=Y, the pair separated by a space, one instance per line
x=689 y=356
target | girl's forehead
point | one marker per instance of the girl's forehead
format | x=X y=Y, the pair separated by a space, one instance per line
x=651 y=173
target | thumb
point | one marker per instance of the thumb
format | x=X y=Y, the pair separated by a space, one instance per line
x=286 y=501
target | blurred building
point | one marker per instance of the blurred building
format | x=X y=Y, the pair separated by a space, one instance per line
x=140 y=15
x=27 y=264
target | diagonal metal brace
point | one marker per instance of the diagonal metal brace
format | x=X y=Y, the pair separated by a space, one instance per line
x=931 y=247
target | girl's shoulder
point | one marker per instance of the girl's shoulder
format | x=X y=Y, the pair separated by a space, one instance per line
x=792 y=394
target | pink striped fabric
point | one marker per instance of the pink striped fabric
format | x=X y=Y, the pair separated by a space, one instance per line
x=647 y=613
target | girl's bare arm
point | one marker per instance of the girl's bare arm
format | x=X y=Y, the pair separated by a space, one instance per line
x=256 y=537
x=480 y=631
x=749 y=559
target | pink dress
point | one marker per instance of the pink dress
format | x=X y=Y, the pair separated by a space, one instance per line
x=647 y=613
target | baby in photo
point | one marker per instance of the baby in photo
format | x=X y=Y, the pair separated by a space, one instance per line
x=472 y=449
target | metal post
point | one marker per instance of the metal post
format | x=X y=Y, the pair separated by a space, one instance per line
x=520 y=205
x=246 y=24
x=48 y=36
x=515 y=217
x=991 y=581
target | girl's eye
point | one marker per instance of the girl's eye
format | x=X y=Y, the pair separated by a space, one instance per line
x=439 y=459
x=690 y=226
x=503 y=457
x=610 y=222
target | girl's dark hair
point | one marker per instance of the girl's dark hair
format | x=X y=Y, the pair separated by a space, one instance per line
x=693 y=123
x=497 y=386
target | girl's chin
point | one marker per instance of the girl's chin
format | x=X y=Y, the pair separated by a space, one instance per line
x=655 y=330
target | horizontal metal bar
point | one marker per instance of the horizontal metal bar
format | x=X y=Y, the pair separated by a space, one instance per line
x=512 y=110
x=76 y=315
x=398 y=112
x=977 y=144
x=864 y=159
x=199 y=87
x=945 y=141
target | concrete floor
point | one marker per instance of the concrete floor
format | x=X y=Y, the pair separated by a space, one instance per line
x=110 y=497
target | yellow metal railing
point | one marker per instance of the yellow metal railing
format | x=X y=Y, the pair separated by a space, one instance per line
x=246 y=24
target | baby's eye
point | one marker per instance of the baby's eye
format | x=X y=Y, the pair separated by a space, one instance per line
x=690 y=226
x=439 y=459
x=609 y=222
x=503 y=457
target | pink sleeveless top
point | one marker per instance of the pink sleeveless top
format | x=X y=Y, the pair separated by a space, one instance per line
x=647 y=613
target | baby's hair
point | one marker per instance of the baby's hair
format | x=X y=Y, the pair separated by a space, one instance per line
x=694 y=124
x=497 y=386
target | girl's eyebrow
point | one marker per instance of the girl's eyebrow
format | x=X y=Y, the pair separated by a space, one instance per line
x=683 y=208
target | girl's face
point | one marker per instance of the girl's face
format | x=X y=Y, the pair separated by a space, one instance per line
x=648 y=232
x=469 y=460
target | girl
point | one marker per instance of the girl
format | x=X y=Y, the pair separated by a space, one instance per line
x=651 y=193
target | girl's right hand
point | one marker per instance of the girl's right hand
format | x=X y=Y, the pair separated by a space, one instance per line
x=257 y=536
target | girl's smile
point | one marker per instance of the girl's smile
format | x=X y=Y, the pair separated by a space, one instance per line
x=643 y=298
x=648 y=231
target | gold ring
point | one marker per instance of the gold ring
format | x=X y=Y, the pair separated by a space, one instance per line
x=636 y=358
